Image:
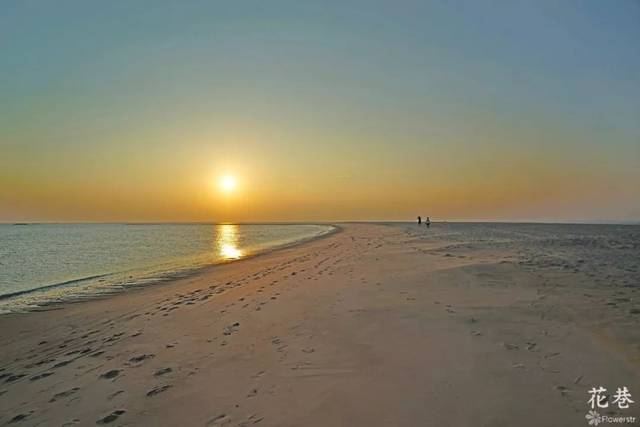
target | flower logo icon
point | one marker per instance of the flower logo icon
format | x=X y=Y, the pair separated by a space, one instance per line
x=593 y=417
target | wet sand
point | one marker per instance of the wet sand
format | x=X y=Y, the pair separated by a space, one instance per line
x=376 y=325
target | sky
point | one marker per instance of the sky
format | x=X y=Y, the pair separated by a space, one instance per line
x=321 y=111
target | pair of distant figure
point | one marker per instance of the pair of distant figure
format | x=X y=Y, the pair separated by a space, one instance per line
x=426 y=221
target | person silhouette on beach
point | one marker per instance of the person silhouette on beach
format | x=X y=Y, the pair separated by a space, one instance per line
x=419 y=220
x=428 y=222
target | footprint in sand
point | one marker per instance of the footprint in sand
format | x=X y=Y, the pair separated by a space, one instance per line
x=219 y=420
x=252 y=419
x=228 y=330
x=11 y=377
x=40 y=376
x=259 y=374
x=141 y=358
x=63 y=363
x=63 y=394
x=157 y=390
x=162 y=371
x=508 y=346
x=19 y=417
x=562 y=389
x=111 y=417
x=110 y=374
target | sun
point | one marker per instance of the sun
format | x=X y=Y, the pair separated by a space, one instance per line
x=228 y=183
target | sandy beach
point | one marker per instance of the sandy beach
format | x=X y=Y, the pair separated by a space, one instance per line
x=375 y=325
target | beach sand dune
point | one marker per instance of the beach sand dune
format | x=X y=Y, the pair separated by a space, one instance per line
x=377 y=325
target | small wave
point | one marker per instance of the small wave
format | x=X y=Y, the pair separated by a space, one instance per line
x=52 y=286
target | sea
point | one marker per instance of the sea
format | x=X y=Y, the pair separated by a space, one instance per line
x=44 y=264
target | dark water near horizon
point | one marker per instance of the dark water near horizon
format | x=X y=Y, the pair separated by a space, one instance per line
x=44 y=263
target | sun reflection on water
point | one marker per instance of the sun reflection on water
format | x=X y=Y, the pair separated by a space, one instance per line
x=227 y=241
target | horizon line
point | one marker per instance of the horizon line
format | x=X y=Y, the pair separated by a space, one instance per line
x=329 y=222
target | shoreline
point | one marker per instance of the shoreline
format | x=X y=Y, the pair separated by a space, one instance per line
x=142 y=282
x=372 y=325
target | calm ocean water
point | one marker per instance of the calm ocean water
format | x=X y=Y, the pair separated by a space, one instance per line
x=44 y=263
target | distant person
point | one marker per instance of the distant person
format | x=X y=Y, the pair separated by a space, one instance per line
x=428 y=222
x=419 y=220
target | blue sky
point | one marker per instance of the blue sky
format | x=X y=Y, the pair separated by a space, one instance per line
x=362 y=89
